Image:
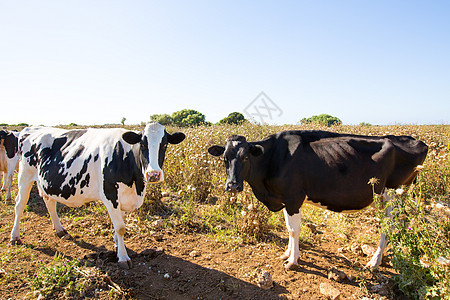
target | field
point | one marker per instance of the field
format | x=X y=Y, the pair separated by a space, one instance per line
x=192 y=240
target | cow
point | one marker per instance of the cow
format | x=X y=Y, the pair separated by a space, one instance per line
x=77 y=166
x=327 y=169
x=9 y=159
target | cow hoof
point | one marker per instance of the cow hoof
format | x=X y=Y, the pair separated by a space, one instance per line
x=64 y=235
x=126 y=264
x=371 y=266
x=16 y=242
x=290 y=266
x=284 y=257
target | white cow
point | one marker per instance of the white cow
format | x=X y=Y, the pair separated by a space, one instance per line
x=78 y=166
x=9 y=159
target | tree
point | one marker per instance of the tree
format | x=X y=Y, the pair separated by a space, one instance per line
x=323 y=119
x=163 y=119
x=188 y=117
x=235 y=118
x=123 y=121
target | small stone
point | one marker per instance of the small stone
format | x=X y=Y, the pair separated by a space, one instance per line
x=367 y=250
x=177 y=274
x=158 y=224
x=443 y=261
x=194 y=253
x=167 y=276
x=329 y=291
x=336 y=275
x=166 y=199
x=342 y=236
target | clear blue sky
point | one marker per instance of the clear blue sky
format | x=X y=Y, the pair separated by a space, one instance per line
x=94 y=62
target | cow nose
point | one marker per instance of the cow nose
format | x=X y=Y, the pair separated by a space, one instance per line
x=233 y=187
x=154 y=176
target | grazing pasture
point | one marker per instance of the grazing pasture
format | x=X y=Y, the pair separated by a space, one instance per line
x=193 y=240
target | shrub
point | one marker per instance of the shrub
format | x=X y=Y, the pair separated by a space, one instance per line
x=163 y=119
x=188 y=117
x=235 y=118
x=322 y=119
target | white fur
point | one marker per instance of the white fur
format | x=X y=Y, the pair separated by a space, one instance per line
x=293 y=226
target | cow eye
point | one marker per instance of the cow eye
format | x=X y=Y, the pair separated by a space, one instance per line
x=245 y=158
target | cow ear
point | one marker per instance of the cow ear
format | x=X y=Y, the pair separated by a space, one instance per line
x=216 y=150
x=132 y=137
x=176 y=137
x=256 y=150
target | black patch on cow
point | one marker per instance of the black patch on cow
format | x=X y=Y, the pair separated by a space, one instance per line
x=124 y=168
x=75 y=156
x=85 y=182
x=142 y=152
x=32 y=155
x=162 y=149
x=10 y=142
x=74 y=134
x=96 y=157
x=53 y=165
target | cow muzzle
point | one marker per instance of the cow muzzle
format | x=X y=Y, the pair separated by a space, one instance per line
x=154 y=176
x=234 y=187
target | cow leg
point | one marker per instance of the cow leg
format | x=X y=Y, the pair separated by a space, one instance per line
x=8 y=183
x=119 y=227
x=378 y=256
x=292 y=253
x=115 y=233
x=3 y=181
x=25 y=184
x=51 y=207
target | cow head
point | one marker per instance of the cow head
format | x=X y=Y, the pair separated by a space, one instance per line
x=153 y=141
x=237 y=155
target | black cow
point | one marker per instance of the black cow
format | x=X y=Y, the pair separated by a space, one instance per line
x=330 y=170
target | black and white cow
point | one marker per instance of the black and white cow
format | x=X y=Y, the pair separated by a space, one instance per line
x=9 y=159
x=74 y=167
x=327 y=169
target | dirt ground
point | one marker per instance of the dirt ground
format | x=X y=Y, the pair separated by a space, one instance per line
x=175 y=263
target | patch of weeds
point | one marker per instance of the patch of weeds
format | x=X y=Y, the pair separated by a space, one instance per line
x=9 y=253
x=63 y=278
x=419 y=249
x=306 y=235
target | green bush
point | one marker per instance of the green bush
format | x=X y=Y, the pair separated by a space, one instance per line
x=235 y=118
x=163 y=119
x=322 y=119
x=188 y=118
